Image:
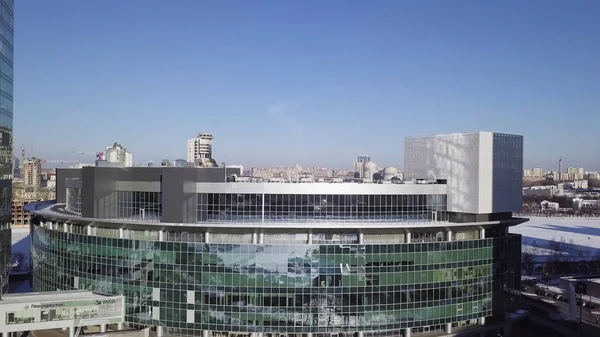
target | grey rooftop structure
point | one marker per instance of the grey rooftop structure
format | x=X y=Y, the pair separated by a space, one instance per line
x=51 y=296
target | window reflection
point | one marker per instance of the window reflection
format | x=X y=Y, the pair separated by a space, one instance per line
x=214 y=207
x=74 y=200
x=284 y=288
x=136 y=205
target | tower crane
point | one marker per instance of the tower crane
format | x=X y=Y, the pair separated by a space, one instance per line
x=59 y=161
x=99 y=155
x=23 y=156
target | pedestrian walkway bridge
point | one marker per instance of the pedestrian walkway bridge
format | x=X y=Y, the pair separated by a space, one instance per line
x=69 y=310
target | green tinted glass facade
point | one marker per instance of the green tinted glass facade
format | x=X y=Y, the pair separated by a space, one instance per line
x=282 y=288
x=6 y=135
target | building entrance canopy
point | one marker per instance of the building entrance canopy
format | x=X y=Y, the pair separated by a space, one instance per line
x=60 y=309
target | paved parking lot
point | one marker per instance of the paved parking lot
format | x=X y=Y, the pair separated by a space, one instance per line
x=589 y=314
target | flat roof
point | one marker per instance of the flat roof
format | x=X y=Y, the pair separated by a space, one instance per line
x=58 y=211
x=334 y=180
x=51 y=296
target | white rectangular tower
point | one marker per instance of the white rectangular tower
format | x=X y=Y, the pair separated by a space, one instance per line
x=484 y=170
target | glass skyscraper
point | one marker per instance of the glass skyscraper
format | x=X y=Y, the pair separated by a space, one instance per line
x=6 y=136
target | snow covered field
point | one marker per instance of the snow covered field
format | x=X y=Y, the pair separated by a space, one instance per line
x=579 y=237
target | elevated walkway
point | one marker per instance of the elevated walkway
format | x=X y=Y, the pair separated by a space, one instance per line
x=68 y=310
x=94 y=332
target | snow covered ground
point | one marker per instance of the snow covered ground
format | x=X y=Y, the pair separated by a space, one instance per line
x=579 y=238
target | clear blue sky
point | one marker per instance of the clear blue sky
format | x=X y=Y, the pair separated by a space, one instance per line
x=309 y=82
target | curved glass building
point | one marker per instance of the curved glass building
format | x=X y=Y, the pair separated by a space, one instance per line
x=6 y=122
x=196 y=253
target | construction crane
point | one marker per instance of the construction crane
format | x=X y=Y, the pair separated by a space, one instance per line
x=23 y=157
x=99 y=155
x=60 y=161
x=23 y=154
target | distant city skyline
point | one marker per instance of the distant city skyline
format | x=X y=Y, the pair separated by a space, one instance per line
x=341 y=163
x=305 y=82
x=346 y=165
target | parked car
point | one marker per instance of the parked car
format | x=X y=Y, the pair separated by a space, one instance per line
x=560 y=297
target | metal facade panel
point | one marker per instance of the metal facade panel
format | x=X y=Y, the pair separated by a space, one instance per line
x=138 y=186
x=454 y=157
x=484 y=170
x=507 y=186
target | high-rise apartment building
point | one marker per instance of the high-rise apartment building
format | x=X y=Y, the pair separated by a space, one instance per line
x=33 y=172
x=6 y=123
x=575 y=173
x=118 y=155
x=199 y=150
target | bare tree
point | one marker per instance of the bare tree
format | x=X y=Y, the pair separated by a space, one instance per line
x=557 y=248
x=528 y=263
x=597 y=256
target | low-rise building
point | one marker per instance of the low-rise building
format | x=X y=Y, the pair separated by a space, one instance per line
x=544 y=191
x=578 y=184
x=581 y=204
x=549 y=205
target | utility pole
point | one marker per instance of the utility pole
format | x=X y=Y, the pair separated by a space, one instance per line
x=581 y=290
x=581 y=315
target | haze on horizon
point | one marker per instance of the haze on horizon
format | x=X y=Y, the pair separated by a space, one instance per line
x=311 y=82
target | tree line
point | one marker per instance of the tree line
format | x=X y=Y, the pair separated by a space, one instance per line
x=559 y=257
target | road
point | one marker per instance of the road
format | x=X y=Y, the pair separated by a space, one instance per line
x=590 y=316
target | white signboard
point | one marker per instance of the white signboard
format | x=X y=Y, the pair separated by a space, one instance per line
x=58 y=314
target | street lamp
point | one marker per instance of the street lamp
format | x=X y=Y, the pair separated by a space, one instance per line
x=581 y=290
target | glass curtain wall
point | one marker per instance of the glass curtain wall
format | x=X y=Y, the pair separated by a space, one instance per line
x=6 y=136
x=282 y=288
x=221 y=207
